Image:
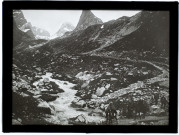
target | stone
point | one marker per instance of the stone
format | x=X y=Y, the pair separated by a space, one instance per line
x=45 y=110
x=80 y=119
x=100 y=91
x=15 y=89
x=108 y=73
x=79 y=103
x=48 y=97
x=94 y=96
x=13 y=76
x=46 y=80
x=16 y=122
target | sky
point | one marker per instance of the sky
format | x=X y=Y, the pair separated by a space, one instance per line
x=51 y=20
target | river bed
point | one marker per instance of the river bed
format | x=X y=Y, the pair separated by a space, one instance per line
x=63 y=111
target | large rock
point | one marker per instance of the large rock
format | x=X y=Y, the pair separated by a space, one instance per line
x=100 y=91
x=16 y=122
x=159 y=112
x=94 y=96
x=44 y=110
x=13 y=76
x=48 y=97
x=79 y=120
x=15 y=89
x=78 y=103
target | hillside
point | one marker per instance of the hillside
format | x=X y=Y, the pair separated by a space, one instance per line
x=145 y=30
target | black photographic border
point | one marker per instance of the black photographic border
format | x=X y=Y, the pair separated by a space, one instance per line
x=8 y=6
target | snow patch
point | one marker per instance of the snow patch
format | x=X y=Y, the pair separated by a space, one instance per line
x=25 y=30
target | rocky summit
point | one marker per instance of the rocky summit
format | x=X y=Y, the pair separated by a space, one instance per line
x=64 y=28
x=87 y=18
x=141 y=31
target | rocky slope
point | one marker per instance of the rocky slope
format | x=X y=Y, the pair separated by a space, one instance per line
x=153 y=34
x=23 y=41
x=145 y=30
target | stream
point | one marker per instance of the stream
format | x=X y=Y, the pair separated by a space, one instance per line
x=63 y=111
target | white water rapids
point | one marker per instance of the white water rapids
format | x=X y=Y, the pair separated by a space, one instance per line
x=63 y=110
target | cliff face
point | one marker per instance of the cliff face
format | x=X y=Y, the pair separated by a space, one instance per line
x=18 y=35
x=87 y=18
x=19 y=18
x=22 y=23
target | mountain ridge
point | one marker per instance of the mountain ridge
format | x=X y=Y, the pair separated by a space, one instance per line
x=87 y=18
x=65 y=27
x=104 y=35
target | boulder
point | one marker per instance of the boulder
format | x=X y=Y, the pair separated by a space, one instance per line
x=94 y=96
x=78 y=103
x=100 y=91
x=37 y=96
x=85 y=84
x=44 y=110
x=48 y=97
x=49 y=92
x=15 y=89
x=113 y=79
x=16 y=122
x=37 y=92
x=24 y=94
x=38 y=69
x=102 y=107
x=108 y=73
x=154 y=107
x=13 y=76
x=46 y=80
x=14 y=66
x=159 y=112
x=79 y=120
x=24 y=77
x=79 y=74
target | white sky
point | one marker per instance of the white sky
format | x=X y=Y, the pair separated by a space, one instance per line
x=51 y=20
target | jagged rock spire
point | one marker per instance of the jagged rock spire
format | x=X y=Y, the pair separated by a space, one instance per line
x=87 y=18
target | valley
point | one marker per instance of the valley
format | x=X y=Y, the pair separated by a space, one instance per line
x=72 y=79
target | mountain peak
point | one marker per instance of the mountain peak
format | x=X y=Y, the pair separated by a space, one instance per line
x=65 y=27
x=87 y=18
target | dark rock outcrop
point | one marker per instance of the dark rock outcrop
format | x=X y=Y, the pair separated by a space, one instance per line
x=87 y=18
x=22 y=23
